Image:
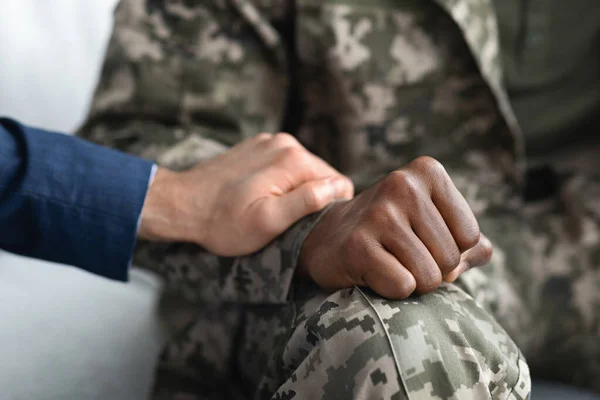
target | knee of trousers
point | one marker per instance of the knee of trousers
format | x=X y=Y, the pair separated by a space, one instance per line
x=443 y=345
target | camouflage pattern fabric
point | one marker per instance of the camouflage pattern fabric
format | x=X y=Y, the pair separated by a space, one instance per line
x=355 y=344
x=376 y=84
x=565 y=280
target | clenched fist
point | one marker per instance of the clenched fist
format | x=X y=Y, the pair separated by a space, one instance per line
x=406 y=233
x=239 y=201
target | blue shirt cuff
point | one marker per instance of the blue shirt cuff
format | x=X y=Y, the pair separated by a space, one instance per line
x=139 y=221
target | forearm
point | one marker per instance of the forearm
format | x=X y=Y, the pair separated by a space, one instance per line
x=68 y=201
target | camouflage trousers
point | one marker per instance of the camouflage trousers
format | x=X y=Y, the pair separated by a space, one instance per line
x=348 y=345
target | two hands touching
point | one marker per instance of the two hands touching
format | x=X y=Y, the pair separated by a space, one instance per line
x=408 y=232
x=237 y=202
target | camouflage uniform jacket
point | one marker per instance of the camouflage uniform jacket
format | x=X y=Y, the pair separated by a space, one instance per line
x=183 y=81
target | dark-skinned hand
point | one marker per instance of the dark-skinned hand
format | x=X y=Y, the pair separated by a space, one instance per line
x=405 y=234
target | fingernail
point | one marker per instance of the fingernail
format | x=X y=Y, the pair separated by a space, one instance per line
x=340 y=186
x=457 y=272
x=485 y=242
x=326 y=190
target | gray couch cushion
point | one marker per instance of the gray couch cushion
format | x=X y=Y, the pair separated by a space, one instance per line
x=69 y=335
x=553 y=391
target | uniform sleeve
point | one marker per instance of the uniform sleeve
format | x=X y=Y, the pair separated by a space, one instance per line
x=181 y=84
x=68 y=201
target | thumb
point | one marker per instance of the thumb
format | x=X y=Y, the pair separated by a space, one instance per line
x=476 y=256
x=309 y=198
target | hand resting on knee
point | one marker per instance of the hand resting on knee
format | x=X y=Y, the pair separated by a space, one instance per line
x=405 y=234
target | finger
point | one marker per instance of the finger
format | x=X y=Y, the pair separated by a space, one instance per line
x=308 y=167
x=456 y=213
x=430 y=227
x=477 y=256
x=255 y=140
x=308 y=198
x=279 y=148
x=264 y=149
x=282 y=140
x=250 y=152
x=387 y=276
x=300 y=164
x=285 y=153
x=261 y=137
x=322 y=168
x=408 y=249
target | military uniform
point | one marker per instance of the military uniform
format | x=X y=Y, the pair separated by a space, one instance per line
x=368 y=86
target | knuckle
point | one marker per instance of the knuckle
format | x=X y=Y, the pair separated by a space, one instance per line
x=428 y=278
x=470 y=236
x=428 y=165
x=430 y=281
x=402 y=182
x=349 y=187
x=263 y=136
x=314 y=198
x=432 y=171
x=379 y=213
x=398 y=177
x=357 y=240
x=405 y=291
x=291 y=155
x=283 y=139
x=483 y=252
x=405 y=288
x=488 y=252
x=412 y=188
x=450 y=260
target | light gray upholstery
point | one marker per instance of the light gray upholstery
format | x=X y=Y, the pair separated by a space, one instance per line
x=69 y=335
x=553 y=391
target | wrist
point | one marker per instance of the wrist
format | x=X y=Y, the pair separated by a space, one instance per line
x=303 y=261
x=314 y=249
x=163 y=213
x=308 y=250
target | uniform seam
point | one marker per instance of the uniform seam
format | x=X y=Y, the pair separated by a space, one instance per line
x=389 y=340
x=519 y=369
x=292 y=327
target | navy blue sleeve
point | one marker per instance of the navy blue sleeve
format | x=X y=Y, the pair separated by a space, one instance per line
x=69 y=201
